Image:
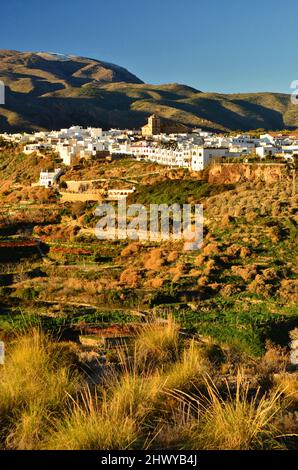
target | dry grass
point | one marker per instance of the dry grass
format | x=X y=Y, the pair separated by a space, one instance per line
x=172 y=256
x=129 y=278
x=35 y=383
x=289 y=290
x=189 y=370
x=131 y=403
x=154 y=259
x=259 y=286
x=160 y=395
x=211 y=249
x=157 y=344
x=155 y=283
x=90 y=425
x=245 y=272
x=289 y=382
x=135 y=393
x=239 y=422
x=130 y=249
x=177 y=271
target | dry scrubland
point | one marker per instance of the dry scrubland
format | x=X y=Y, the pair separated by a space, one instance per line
x=205 y=362
x=163 y=391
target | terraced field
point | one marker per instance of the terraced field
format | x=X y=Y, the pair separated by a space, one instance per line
x=240 y=288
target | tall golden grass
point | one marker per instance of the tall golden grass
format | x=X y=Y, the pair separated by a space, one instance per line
x=89 y=424
x=241 y=420
x=35 y=383
x=164 y=393
x=157 y=344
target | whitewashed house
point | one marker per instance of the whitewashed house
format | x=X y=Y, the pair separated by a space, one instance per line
x=49 y=178
x=267 y=139
x=202 y=156
x=267 y=151
x=38 y=148
x=244 y=140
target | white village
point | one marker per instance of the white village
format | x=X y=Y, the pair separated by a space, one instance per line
x=194 y=150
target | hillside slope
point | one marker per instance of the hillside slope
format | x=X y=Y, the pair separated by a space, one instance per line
x=50 y=91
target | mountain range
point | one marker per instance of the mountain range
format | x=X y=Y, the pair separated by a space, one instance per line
x=47 y=90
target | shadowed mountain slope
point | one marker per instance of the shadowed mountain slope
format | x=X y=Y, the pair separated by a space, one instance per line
x=50 y=91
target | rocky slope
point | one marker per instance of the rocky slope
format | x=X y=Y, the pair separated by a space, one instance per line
x=240 y=172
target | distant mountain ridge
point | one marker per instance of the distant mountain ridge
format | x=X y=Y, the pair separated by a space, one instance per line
x=48 y=90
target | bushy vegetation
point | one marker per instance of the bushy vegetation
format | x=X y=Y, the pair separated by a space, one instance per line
x=179 y=396
x=177 y=192
x=36 y=383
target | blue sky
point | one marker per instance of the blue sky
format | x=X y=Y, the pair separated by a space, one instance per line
x=213 y=45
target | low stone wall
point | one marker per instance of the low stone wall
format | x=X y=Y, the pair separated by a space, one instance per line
x=72 y=197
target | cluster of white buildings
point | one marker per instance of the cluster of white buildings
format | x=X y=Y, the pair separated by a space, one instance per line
x=194 y=150
x=284 y=146
x=69 y=144
x=189 y=155
x=73 y=143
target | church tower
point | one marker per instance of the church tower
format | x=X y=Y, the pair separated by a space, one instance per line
x=153 y=127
